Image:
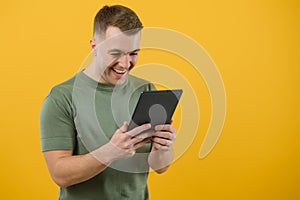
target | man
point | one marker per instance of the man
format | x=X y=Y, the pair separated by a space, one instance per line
x=81 y=156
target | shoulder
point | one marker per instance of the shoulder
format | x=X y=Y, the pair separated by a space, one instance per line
x=60 y=97
x=62 y=90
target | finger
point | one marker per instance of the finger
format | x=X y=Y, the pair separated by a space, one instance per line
x=139 y=129
x=124 y=127
x=162 y=142
x=131 y=152
x=128 y=152
x=143 y=142
x=142 y=136
x=165 y=127
x=164 y=134
x=158 y=146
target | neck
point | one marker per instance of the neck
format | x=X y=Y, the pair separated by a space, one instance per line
x=93 y=72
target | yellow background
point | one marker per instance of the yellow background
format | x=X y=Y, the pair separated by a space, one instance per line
x=255 y=45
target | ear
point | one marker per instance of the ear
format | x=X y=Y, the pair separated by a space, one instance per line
x=93 y=46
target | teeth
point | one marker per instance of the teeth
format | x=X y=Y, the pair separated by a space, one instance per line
x=120 y=71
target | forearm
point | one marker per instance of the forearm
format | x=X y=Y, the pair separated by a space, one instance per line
x=70 y=170
x=160 y=160
x=76 y=169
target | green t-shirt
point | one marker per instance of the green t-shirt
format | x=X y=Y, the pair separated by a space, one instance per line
x=82 y=114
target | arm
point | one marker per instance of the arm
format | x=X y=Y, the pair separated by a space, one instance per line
x=162 y=154
x=67 y=169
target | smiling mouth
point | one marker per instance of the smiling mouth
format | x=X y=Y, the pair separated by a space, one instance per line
x=119 y=71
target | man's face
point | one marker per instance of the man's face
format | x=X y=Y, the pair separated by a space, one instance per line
x=116 y=55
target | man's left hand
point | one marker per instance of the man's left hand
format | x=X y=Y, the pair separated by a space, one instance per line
x=164 y=137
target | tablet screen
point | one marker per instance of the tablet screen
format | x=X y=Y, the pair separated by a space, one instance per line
x=155 y=107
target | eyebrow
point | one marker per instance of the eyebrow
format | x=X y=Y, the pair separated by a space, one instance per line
x=118 y=50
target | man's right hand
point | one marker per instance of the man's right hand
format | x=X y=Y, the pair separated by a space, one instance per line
x=124 y=143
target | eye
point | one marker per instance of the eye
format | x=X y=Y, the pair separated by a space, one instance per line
x=115 y=54
x=133 y=54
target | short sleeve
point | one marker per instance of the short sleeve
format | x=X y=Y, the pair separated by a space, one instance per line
x=56 y=126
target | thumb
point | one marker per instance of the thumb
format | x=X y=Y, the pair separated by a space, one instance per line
x=124 y=127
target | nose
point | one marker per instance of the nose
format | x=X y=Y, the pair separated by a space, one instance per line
x=125 y=60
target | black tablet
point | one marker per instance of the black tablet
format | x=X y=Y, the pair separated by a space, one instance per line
x=155 y=107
